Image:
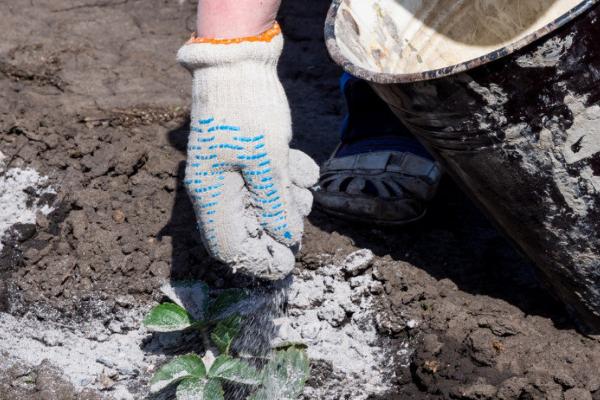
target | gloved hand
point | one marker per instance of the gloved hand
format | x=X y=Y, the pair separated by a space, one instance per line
x=226 y=19
x=248 y=188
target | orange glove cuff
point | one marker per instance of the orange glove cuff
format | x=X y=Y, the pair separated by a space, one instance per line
x=266 y=36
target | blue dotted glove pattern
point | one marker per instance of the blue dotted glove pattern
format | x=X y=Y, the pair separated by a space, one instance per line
x=217 y=148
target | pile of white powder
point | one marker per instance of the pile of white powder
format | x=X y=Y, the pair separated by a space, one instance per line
x=13 y=198
x=87 y=357
x=330 y=310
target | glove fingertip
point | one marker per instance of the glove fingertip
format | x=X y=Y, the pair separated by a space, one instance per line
x=304 y=171
x=303 y=199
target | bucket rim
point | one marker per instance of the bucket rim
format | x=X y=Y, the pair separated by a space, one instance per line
x=389 y=78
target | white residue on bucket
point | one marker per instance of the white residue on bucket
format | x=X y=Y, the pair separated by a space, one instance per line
x=548 y=54
x=13 y=198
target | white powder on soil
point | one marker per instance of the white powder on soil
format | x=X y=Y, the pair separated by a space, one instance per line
x=329 y=310
x=85 y=359
x=13 y=199
x=333 y=315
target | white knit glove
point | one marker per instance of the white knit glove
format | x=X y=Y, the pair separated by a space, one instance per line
x=249 y=203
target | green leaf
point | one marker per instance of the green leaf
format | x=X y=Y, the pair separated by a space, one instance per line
x=234 y=370
x=168 y=317
x=285 y=375
x=190 y=389
x=224 y=301
x=190 y=295
x=188 y=366
x=225 y=332
x=200 y=389
x=213 y=390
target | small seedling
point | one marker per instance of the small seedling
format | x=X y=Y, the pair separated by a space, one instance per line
x=202 y=378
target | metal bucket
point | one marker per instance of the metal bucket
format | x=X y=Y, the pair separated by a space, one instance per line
x=514 y=116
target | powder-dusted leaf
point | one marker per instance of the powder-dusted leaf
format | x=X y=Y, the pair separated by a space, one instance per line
x=225 y=332
x=190 y=389
x=168 y=317
x=188 y=366
x=200 y=389
x=213 y=390
x=190 y=295
x=225 y=301
x=285 y=375
x=234 y=370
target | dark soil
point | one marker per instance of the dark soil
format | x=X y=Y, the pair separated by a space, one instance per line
x=90 y=95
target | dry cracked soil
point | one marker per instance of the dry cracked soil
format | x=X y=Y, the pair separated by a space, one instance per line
x=90 y=96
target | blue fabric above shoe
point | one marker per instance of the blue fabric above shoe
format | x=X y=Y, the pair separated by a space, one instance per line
x=370 y=125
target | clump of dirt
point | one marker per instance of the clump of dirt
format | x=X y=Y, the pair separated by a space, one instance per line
x=39 y=382
x=43 y=73
x=98 y=105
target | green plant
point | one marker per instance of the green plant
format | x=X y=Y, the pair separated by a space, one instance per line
x=202 y=378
